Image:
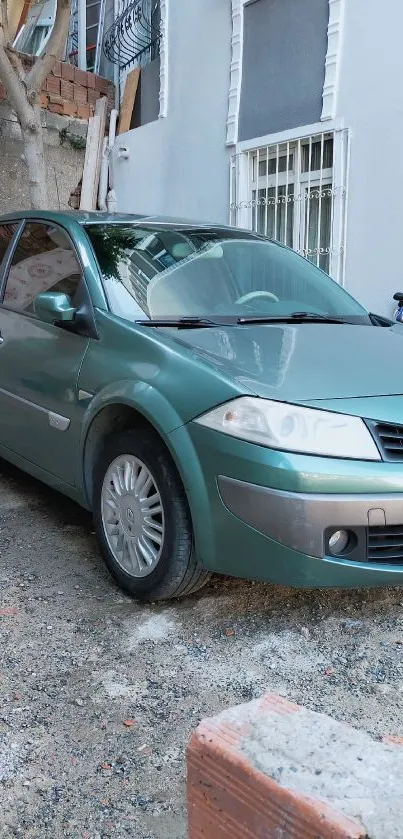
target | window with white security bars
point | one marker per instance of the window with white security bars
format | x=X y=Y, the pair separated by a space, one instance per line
x=295 y=192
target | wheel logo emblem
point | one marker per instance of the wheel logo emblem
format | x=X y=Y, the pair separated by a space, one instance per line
x=130 y=515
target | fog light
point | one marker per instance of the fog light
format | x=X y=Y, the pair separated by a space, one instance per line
x=338 y=542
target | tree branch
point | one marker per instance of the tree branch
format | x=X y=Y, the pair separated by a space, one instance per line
x=15 y=89
x=4 y=28
x=16 y=63
x=53 y=50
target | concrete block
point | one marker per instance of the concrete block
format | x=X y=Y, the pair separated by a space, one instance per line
x=55 y=124
x=275 y=770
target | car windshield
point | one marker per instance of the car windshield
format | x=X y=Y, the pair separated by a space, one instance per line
x=172 y=272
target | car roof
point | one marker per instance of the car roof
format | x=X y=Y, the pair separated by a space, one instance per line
x=101 y=217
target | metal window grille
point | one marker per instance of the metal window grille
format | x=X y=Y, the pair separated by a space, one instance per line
x=295 y=192
x=134 y=38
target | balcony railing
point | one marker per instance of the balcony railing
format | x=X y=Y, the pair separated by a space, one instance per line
x=134 y=37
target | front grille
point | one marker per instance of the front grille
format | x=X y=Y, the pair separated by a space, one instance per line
x=385 y=544
x=389 y=439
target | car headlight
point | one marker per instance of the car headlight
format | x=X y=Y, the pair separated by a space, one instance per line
x=292 y=428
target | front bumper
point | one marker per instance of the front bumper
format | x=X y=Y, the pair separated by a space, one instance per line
x=300 y=520
x=262 y=514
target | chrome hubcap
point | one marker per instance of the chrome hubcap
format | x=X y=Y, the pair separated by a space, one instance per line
x=132 y=515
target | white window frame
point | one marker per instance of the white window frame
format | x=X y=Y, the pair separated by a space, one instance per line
x=39 y=22
x=335 y=33
x=242 y=184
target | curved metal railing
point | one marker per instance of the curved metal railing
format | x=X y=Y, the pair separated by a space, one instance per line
x=134 y=37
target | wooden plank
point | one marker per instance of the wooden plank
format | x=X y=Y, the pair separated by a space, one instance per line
x=90 y=163
x=129 y=98
x=101 y=108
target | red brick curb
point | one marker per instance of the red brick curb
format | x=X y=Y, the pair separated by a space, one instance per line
x=229 y=798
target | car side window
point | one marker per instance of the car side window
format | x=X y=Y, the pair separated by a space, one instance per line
x=44 y=260
x=6 y=234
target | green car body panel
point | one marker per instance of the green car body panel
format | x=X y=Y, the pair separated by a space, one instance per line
x=171 y=377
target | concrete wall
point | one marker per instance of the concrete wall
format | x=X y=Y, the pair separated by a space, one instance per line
x=64 y=163
x=284 y=50
x=370 y=102
x=178 y=165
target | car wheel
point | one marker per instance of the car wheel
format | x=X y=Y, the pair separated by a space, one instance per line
x=142 y=519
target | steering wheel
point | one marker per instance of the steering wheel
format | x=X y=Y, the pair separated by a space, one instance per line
x=252 y=294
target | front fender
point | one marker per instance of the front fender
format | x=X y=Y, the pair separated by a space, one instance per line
x=141 y=396
x=146 y=401
x=152 y=405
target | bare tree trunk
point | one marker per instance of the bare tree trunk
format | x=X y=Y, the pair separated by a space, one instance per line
x=22 y=90
x=35 y=159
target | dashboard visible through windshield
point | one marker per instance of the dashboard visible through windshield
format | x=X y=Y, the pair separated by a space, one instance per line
x=172 y=272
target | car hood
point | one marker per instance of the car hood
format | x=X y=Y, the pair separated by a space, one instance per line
x=303 y=362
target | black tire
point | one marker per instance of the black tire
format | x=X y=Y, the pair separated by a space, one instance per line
x=177 y=572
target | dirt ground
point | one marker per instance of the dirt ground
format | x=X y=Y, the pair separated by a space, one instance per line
x=98 y=695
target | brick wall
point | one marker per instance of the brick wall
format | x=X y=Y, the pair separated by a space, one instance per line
x=71 y=92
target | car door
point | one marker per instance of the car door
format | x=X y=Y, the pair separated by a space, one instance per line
x=40 y=414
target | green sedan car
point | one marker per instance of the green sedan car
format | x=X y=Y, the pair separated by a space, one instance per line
x=217 y=401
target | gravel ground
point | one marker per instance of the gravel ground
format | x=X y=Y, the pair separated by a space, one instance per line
x=98 y=695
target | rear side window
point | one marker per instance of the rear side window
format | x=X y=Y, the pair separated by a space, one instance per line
x=6 y=234
x=44 y=260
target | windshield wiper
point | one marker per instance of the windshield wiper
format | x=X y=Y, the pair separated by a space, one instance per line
x=294 y=317
x=179 y=323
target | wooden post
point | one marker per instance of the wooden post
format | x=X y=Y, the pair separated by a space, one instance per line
x=90 y=164
x=93 y=155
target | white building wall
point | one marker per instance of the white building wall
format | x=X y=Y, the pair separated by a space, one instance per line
x=370 y=103
x=179 y=165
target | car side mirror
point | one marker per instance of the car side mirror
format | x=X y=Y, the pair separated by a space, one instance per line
x=52 y=306
x=398 y=296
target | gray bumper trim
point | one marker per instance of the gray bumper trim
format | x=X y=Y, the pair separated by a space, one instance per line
x=299 y=520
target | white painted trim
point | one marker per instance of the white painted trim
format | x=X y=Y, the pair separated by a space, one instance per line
x=346 y=209
x=234 y=95
x=288 y=136
x=164 y=59
x=333 y=58
x=330 y=86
